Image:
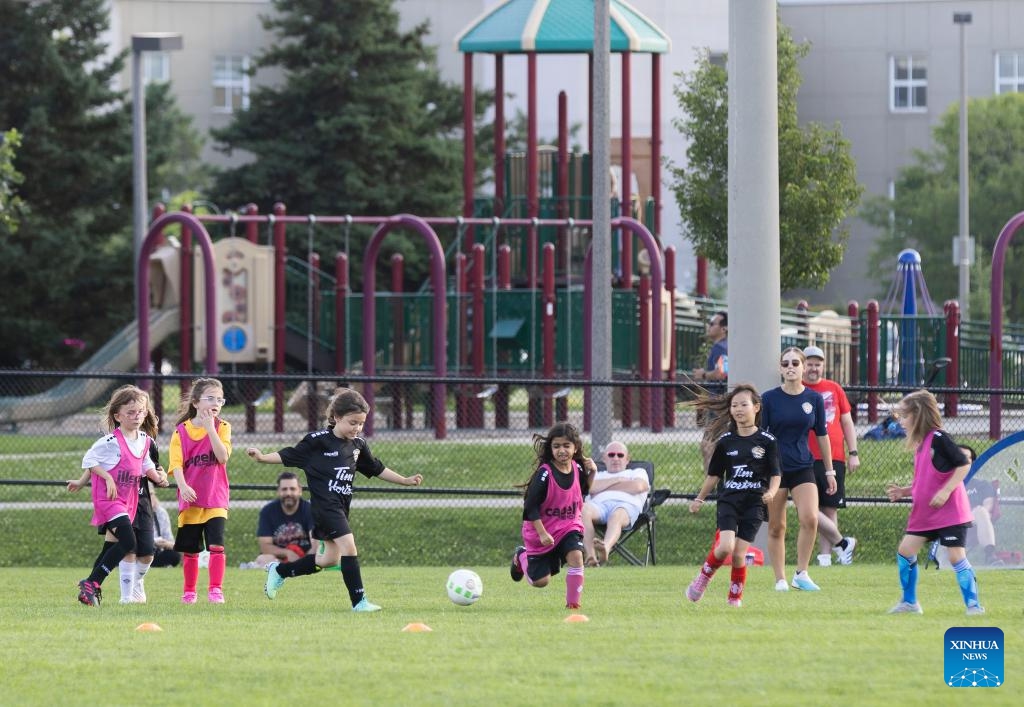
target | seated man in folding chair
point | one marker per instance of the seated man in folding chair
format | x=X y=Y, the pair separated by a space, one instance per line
x=617 y=496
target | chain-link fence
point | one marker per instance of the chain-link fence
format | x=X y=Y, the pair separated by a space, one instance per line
x=468 y=510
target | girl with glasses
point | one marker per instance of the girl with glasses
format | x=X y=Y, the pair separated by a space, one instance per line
x=199 y=452
x=789 y=413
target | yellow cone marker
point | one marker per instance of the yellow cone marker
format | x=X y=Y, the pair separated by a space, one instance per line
x=148 y=627
x=416 y=628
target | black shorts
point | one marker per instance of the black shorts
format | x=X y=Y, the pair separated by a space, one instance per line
x=742 y=516
x=951 y=536
x=838 y=499
x=792 y=479
x=196 y=537
x=330 y=523
x=550 y=563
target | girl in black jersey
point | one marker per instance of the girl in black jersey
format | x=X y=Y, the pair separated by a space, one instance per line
x=745 y=462
x=331 y=459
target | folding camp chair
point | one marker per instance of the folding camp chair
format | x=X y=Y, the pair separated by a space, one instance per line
x=644 y=522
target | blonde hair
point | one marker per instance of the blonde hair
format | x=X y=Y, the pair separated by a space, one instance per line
x=925 y=410
x=187 y=410
x=123 y=396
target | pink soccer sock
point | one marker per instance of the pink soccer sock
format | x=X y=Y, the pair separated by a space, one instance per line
x=524 y=562
x=190 y=567
x=573 y=586
x=218 y=560
x=736 y=582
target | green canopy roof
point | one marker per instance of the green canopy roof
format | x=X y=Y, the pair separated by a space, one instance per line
x=558 y=26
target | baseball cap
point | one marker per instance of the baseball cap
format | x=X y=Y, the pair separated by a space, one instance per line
x=814 y=352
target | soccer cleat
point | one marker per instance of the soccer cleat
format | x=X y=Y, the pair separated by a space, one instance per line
x=89 y=593
x=802 y=581
x=572 y=606
x=516 y=570
x=215 y=596
x=781 y=586
x=846 y=556
x=905 y=607
x=975 y=610
x=274 y=580
x=365 y=606
x=188 y=598
x=735 y=602
x=139 y=593
x=697 y=587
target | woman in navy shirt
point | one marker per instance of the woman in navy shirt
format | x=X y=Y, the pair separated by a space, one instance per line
x=789 y=413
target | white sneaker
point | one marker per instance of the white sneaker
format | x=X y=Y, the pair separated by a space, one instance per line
x=781 y=586
x=803 y=582
x=846 y=556
x=975 y=610
x=906 y=608
x=825 y=560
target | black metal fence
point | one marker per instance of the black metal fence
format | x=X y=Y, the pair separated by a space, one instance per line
x=468 y=510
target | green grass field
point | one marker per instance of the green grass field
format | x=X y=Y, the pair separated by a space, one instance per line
x=644 y=643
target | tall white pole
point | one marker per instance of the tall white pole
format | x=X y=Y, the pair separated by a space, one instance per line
x=754 y=306
x=139 y=187
x=963 y=19
x=601 y=256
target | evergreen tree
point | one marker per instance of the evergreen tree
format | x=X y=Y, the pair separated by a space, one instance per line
x=817 y=176
x=73 y=248
x=362 y=123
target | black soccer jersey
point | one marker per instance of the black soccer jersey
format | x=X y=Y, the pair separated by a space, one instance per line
x=330 y=463
x=746 y=464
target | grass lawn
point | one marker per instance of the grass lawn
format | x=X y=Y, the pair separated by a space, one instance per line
x=644 y=643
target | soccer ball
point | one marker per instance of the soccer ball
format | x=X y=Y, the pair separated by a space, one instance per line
x=464 y=587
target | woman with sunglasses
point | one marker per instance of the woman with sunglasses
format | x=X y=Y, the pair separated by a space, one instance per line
x=199 y=451
x=789 y=413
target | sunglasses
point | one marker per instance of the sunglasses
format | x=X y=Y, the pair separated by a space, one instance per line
x=616 y=454
x=788 y=363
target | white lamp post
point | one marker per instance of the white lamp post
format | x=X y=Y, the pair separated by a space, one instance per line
x=964 y=265
x=145 y=42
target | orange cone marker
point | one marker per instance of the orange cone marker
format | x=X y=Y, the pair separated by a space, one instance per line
x=148 y=627
x=416 y=628
x=576 y=619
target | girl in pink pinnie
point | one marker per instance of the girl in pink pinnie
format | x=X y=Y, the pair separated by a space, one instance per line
x=199 y=452
x=553 y=512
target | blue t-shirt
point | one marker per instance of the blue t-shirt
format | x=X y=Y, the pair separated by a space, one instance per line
x=719 y=349
x=286 y=529
x=790 y=418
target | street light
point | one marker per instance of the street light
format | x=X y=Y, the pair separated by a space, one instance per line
x=964 y=261
x=145 y=42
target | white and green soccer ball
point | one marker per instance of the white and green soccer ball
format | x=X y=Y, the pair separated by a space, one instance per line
x=464 y=587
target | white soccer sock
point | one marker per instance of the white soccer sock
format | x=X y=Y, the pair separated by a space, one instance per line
x=126 y=570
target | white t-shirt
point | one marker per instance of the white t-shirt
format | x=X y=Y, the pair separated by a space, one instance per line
x=633 y=499
x=106 y=452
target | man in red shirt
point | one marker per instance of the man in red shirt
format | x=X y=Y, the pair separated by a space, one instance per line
x=839 y=423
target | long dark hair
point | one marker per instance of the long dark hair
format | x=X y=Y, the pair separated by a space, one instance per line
x=716 y=409
x=542 y=447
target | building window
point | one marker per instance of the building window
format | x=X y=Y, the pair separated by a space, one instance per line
x=230 y=83
x=156 y=67
x=908 y=84
x=1009 y=72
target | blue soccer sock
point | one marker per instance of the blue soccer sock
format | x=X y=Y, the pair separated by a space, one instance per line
x=908 y=577
x=968 y=582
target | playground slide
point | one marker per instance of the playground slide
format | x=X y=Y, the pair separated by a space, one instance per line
x=121 y=353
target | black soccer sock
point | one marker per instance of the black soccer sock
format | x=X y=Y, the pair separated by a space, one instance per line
x=301 y=566
x=353 y=579
x=842 y=544
x=122 y=530
x=107 y=544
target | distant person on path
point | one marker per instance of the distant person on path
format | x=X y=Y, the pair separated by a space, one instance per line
x=839 y=423
x=617 y=497
x=199 y=453
x=745 y=466
x=331 y=458
x=717 y=366
x=789 y=413
x=552 y=512
x=940 y=509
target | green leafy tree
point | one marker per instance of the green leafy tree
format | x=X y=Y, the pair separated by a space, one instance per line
x=817 y=176
x=11 y=205
x=925 y=212
x=362 y=123
x=73 y=247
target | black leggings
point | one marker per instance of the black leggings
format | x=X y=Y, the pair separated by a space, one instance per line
x=120 y=528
